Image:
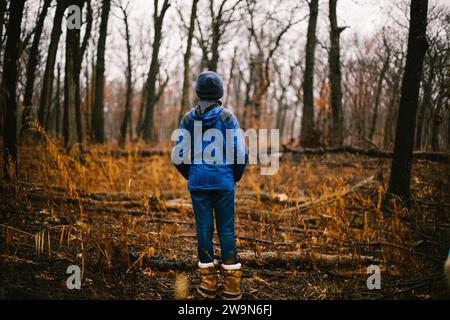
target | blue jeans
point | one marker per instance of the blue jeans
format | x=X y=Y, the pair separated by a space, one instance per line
x=222 y=201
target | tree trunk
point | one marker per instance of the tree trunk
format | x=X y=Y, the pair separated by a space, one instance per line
x=448 y=132
x=2 y=18
x=230 y=80
x=187 y=57
x=129 y=93
x=78 y=65
x=148 y=133
x=399 y=183
x=98 y=117
x=335 y=77
x=9 y=81
x=58 y=100
x=438 y=119
x=307 y=133
x=394 y=84
x=384 y=69
x=71 y=84
x=426 y=103
x=32 y=63
x=47 y=81
x=2 y=21
x=213 y=62
x=140 y=122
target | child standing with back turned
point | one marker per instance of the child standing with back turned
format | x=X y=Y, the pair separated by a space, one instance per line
x=211 y=186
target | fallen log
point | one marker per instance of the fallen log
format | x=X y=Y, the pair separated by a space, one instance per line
x=144 y=153
x=268 y=258
x=263 y=196
x=442 y=157
x=60 y=191
x=271 y=257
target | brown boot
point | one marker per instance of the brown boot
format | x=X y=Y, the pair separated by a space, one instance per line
x=232 y=275
x=208 y=274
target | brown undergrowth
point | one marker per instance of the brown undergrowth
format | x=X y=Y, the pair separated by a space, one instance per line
x=308 y=232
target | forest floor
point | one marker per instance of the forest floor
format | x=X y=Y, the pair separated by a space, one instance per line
x=308 y=232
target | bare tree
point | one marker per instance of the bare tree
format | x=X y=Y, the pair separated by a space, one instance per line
x=308 y=132
x=47 y=80
x=267 y=40
x=58 y=100
x=399 y=183
x=158 y=18
x=72 y=123
x=98 y=117
x=126 y=121
x=78 y=62
x=393 y=82
x=186 y=59
x=381 y=77
x=33 y=61
x=2 y=18
x=210 y=43
x=8 y=92
x=335 y=76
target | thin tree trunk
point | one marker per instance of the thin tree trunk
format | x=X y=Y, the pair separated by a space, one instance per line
x=9 y=81
x=399 y=183
x=129 y=93
x=420 y=122
x=308 y=128
x=148 y=132
x=140 y=122
x=47 y=81
x=437 y=121
x=230 y=78
x=335 y=77
x=87 y=98
x=90 y=112
x=2 y=18
x=213 y=62
x=448 y=132
x=71 y=77
x=98 y=116
x=32 y=62
x=426 y=103
x=187 y=57
x=2 y=22
x=394 y=84
x=58 y=100
x=237 y=97
x=78 y=65
x=384 y=69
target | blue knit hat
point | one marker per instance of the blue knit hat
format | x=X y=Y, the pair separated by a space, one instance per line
x=209 y=86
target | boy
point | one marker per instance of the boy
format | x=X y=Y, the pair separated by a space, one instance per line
x=211 y=184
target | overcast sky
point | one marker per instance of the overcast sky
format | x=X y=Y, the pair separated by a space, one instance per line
x=362 y=16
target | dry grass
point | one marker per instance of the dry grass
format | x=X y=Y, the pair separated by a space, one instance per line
x=127 y=222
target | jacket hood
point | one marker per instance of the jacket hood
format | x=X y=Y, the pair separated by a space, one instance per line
x=209 y=117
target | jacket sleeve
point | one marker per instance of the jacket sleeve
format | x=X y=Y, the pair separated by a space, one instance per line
x=240 y=150
x=183 y=168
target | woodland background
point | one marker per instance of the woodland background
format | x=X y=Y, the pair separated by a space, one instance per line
x=360 y=93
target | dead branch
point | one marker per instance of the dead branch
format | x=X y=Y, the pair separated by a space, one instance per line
x=145 y=153
x=322 y=202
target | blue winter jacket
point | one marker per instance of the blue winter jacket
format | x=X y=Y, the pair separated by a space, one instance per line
x=213 y=176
